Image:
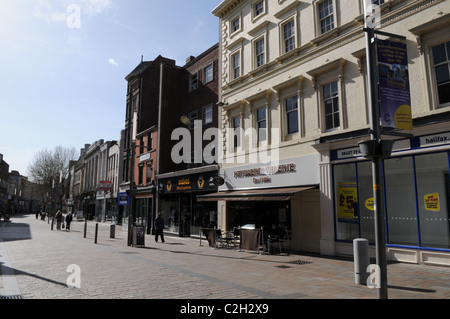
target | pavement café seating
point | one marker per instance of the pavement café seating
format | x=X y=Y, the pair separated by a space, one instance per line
x=219 y=239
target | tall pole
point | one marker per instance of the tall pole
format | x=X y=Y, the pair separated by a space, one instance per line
x=377 y=174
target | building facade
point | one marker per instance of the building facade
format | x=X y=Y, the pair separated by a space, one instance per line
x=300 y=69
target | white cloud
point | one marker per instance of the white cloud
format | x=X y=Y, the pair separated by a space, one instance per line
x=113 y=62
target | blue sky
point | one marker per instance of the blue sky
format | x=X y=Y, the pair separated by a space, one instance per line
x=63 y=64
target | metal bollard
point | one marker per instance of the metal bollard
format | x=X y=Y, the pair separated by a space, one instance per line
x=85 y=229
x=112 y=231
x=96 y=232
x=361 y=259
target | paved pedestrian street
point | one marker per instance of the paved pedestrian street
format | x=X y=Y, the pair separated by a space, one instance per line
x=40 y=263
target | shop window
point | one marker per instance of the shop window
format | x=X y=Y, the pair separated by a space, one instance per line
x=441 y=65
x=432 y=177
x=401 y=201
x=365 y=200
x=345 y=190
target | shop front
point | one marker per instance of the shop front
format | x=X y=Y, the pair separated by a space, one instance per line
x=281 y=199
x=416 y=196
x=183 y=214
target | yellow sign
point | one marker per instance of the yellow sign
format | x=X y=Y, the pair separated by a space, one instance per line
x=370 y=204
x=432 y=202
x=403 y=117
x=347 y=201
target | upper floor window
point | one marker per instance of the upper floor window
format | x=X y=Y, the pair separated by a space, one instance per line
x=258 y=8
x=326 y=17
x=236 y=25
x=441 y=64
x=289 y=36
x=291 y=105
x=260 y=57
x=236 y=122
x=261 y=124
x=193 y=82
x=209 y=73
x=236 y=60
x=377 y=2
x=331 y=105
x=193 y=116
x=207 y=114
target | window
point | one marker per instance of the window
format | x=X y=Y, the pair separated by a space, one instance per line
x=258 y=8
x=150 y=141
x=236 y=122
x=193 y=82
x=207 y=115
x=441 y=64
x=193 y=116
x=261 y=125
x=326 y=16
x=377 y=2
x=236 y=59
x=289 y=36
x=260 y=53
x=236 y=25
x=331 y=105
x=292 y=115
x=209 y=73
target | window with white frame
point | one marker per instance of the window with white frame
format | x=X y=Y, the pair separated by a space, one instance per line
x=331 y=105
x=291 y=108
x=235 y=25
x=236 y=62
x=261 y=124
x=289 y=36
x=260 y=53
x=207 y=114
x=209 y=73
x=326 y=17
x=441 y=65
x=193 y=82
x=258 y=8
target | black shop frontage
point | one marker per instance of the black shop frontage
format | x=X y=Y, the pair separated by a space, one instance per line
x=177 y=202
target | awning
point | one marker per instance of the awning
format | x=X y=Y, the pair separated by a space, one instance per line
x=271 y=194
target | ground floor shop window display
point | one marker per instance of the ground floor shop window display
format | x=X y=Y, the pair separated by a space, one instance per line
x=417 y=195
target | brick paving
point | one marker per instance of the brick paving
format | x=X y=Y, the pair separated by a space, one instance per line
x=34 y=265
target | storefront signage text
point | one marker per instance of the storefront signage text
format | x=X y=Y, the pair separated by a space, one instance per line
x=435 y=140
x=265 y=171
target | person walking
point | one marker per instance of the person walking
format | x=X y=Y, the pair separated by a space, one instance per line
x=59 y=219
x=159 y=228
x=68 y=221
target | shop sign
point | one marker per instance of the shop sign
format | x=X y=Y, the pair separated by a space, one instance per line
x=123 y=199
x=435 y=140
x=347 y=202
x=105 y=185
x=432 y=202
x=395 y=96
x=186 y=183
x=290 y=172
x=370 y=204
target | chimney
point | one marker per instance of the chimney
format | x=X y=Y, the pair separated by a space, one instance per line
x=189 y=59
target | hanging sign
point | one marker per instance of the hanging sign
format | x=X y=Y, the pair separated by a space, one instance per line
x=395 y=97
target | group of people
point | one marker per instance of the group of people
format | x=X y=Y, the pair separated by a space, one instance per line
x=60 y=220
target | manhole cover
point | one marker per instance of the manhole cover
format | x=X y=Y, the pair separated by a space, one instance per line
x=301 y=262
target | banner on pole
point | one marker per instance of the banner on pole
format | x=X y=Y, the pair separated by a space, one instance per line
x=395 y=97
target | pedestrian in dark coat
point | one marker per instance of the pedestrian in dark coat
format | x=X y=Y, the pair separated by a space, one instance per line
x=59 y=220
x=159 y=227
x=68 y=221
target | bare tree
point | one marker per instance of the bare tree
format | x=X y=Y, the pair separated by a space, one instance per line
x=50 y=170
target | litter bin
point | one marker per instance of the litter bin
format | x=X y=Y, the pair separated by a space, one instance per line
x=361 y=259
x=138 y=235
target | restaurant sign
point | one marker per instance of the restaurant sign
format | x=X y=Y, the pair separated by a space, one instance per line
x=189 y=183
